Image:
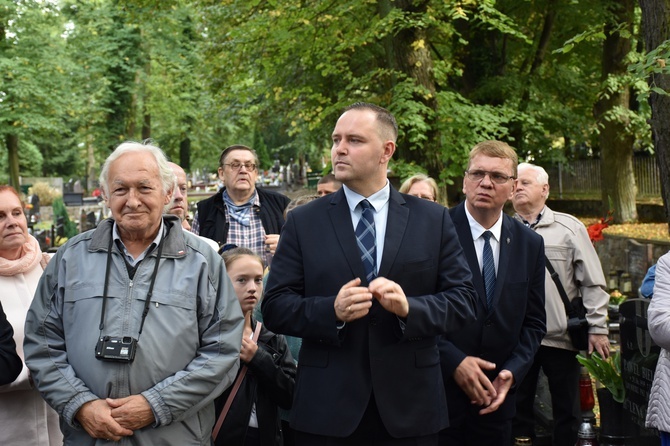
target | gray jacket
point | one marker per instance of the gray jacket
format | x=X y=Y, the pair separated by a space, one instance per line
x=187 y=352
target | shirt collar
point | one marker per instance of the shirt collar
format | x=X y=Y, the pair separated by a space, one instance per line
x=154 y=243
x=377 y=200
x=537 y=220
x=477 y=230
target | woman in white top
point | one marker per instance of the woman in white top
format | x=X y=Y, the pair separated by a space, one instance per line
x=25 y=419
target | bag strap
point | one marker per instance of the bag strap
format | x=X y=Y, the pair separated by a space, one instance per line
x=561 y=291
x=233 y=392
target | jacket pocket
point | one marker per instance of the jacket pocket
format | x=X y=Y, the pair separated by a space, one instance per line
x=173 y=298
x=557 y=253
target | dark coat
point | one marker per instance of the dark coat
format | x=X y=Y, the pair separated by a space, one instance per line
x=395 y=359
x=10 y=362
x=213 y=218
x=268 y=383
x=510 y=335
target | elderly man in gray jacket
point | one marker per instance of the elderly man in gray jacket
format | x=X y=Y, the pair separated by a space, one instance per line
x=135 y=327
x=569 y=249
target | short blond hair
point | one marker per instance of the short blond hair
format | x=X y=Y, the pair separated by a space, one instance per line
x=495 y=149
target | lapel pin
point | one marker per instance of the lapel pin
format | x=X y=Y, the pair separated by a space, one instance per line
x=508 y=240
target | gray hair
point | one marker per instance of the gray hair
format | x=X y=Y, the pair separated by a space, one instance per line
x=542 y=176
x=167 y=177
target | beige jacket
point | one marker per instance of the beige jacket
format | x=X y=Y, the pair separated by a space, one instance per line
x=569 y=249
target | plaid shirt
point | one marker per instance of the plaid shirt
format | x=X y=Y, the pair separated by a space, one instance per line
x=195 y=224
x=252 y=237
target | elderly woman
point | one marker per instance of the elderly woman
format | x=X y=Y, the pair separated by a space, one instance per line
x=25 y=419
x=421 y=186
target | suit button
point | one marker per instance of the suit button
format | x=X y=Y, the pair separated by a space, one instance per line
x=373 y=321
x=489 y=323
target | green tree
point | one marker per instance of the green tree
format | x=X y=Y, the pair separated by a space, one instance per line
x=613 y=113
x=104 y=48
x=33 y=68
x=452 y=72
x=654 y=68
x=139 y=62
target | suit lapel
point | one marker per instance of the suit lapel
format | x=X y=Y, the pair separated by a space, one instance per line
x=340 y=218
x=465 y=237
x=506 y=243
x=396 y=224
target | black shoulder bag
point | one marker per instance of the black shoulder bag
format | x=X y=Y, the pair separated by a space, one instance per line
x=578 y=326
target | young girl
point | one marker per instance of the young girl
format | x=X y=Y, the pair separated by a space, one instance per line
x=253 y=417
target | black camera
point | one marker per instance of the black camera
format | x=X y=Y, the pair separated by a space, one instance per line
x=120 y=349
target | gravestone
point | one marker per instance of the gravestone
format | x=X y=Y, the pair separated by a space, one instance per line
x=73 y=199
x=639 y=355
x=639 y=260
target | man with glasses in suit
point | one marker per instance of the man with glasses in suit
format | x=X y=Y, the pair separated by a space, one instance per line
x=485 y=362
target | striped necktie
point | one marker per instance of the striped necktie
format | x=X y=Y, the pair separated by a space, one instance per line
x=488 y=270
x=366 y=236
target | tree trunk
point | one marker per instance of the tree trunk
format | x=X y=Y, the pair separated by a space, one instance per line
x=616 y=143
x=656 y=24
x=146 y=115
x=146 y=125
x=185 y=154
x=12 y=142
x=91 y=170
x=384 y=7
x=411 y=47
x=516 y=128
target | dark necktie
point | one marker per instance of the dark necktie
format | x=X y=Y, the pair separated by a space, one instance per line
x=366 y=236
x=488 y=270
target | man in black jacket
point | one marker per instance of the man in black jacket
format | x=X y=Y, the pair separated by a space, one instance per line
x=241 y=214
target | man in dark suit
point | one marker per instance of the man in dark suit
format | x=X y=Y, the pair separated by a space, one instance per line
x=369 y=317
x=483 y=363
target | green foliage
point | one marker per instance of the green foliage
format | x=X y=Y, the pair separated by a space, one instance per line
x=608 y=372
x=59 y=210
x=33 y=69
x=594 y=33
x=79 y=77
x=656 y=61
x=404 y=170
x=30 y=159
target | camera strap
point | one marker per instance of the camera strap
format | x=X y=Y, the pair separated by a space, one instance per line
x=151 y=284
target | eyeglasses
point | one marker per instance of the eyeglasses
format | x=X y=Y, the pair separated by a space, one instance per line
x=496 y=177
x=237 y=166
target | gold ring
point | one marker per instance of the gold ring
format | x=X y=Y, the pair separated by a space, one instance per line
x=349 y=308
